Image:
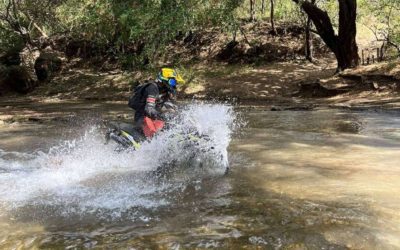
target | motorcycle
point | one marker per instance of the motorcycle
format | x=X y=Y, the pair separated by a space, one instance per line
x=125 y=135
x=128 y=137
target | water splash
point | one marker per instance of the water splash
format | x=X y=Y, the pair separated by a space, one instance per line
x=84 y=176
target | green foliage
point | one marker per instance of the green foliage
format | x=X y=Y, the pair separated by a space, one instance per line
x=88 y=20
x=137 y=32
x=8 y=40
x=22 y=21
x=287 y=11
x=142 y=26
x=382 y=17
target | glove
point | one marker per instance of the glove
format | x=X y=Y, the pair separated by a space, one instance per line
x=151 y=111
x=170 y=106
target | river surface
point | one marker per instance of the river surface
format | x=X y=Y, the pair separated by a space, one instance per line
x=322 y=179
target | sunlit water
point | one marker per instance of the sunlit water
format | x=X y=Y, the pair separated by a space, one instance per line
x=297 y=180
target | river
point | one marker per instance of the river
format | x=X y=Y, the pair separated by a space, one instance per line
x=321 y=179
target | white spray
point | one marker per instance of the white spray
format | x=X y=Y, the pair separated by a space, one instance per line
x=85 y=176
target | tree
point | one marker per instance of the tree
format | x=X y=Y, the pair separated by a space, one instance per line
x=343 y=44
x=272 y=18
x=263 y=7
x=386 y=22
x=252 y=10
x=138 y=31
x=308 y=37
x=23 y=21
x=12 y=22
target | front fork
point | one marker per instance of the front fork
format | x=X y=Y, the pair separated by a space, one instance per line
x=116 y=136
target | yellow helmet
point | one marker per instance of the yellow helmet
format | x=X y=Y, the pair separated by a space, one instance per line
x=167 y=74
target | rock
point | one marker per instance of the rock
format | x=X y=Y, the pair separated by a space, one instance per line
x=274 y=108
x=16 y=78
x=293 y=108
x=375 y=85
x=28 y=58
x=349 y=127
x=341 y=106
x=47 y=64
x=230 y=49
x=34 y=119
x=300 y=108
x=11 y=57
x=315 y=90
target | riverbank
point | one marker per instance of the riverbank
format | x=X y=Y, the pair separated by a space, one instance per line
x=284 y=83
x=253 y=69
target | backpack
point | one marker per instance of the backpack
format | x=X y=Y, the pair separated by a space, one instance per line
x=136 y=97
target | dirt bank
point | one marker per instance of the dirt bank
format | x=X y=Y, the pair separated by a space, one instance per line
x=279 y=86
x=72 y=69
x=291 y=82
x=255 y=68
x=258 y=69
x=302 y=82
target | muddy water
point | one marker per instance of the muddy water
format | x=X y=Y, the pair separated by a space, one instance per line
x=323 y=178
x=298 y=180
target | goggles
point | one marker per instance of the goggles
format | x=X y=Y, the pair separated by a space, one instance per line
x=172 y=82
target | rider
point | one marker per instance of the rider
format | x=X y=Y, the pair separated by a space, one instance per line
x=150 y=97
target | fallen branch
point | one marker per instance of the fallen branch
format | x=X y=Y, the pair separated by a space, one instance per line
x=40 y=30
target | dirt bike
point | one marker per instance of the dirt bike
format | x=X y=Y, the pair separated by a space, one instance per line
x=128 y=137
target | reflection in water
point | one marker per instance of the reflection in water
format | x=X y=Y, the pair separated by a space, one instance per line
x=299 y=180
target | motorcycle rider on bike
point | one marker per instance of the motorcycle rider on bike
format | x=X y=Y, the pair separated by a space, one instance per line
x=149 y=98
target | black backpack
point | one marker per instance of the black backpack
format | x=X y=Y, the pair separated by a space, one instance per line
x=136 y=97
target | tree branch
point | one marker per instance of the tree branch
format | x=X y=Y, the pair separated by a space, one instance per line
x=8 y=10
x=322 y=23
x=244 y=35
x=40 y=30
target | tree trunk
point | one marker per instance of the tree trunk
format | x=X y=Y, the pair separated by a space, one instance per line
x=347 y=49
x=309 y=46
x=252 y=10
x=263 y=7
x=272 y=18
x=309 y=38
x=344 y=44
